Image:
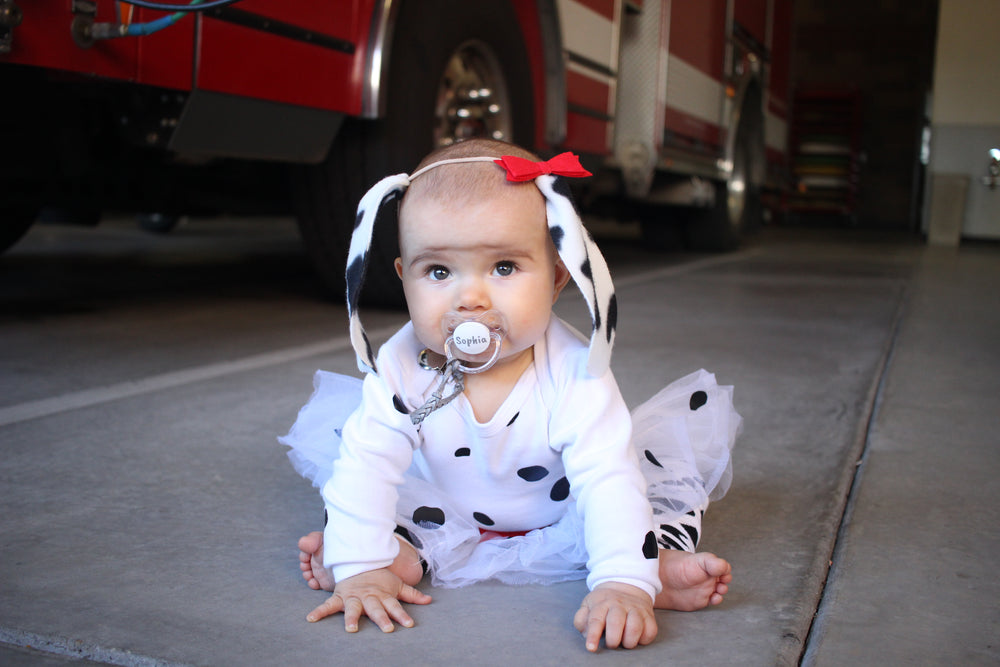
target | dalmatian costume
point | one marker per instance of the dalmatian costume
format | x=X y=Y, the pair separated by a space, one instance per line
x=562 y=483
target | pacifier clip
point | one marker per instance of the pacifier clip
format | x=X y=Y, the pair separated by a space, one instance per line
x=469 y=337
x=449 y=373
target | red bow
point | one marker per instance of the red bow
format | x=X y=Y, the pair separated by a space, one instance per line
x=564 y=164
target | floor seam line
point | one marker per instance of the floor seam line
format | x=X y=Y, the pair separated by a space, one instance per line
x=818 y=621
x=79 y=650
x=687 y=267
x=85 y=398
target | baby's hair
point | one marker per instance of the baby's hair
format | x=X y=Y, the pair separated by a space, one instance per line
x=461 y=182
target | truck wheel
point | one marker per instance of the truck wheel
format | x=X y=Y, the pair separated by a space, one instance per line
x=737 y=208
x=458 y=70
x=158 y=223
x=15 y=221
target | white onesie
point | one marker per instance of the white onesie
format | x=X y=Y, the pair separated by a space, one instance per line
x=560 y=436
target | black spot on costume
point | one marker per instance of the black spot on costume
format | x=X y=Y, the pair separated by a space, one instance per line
x=652 y=459
x=560 y=185
x=649 y=548
x=560 y=490
x=355 y=280
x=408 y=536
x=612 y=323
x=532 y=473
x=483 y=519
x=428 y=517
x=557 y=235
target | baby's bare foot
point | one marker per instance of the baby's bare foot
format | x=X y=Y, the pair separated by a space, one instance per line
x=311 y=562
x=692 y=581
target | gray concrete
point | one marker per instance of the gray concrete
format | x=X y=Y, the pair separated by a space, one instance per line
x=149 y=516
x=913 y=580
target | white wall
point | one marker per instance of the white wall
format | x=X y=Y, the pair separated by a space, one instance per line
x=965 y=112
x=967 y=66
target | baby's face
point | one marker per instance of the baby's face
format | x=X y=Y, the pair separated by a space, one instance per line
x=495 y=253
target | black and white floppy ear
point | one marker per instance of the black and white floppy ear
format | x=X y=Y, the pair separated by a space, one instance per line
x=586 y=265
x=379 y=201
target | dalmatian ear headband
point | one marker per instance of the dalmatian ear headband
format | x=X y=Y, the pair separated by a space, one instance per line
x=573 y=242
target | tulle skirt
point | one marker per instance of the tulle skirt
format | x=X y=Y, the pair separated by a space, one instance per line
x=683 y=436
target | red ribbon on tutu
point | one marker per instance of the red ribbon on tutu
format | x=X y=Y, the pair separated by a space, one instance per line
x=564 y=164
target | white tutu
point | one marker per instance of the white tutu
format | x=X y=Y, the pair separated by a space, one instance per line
x=683 y=436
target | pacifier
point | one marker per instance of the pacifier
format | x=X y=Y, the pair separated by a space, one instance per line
x=476 y=340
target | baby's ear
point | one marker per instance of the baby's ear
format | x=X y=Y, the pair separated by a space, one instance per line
x=561 y=279
x=399 y=267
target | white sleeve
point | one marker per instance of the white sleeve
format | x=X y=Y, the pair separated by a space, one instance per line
x=377 y=447
x=592 y=427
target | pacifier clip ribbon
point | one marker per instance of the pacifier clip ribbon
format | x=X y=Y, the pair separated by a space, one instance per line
x=449 y=373
x=471 y=337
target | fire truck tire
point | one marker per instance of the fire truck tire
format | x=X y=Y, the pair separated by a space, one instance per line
x=737 y=210
x=428 y=35
x=14 y=224
x=158 y=223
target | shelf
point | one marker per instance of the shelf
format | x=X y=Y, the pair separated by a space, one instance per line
x=825 y=151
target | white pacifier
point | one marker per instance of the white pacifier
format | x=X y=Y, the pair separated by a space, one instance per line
x=470 y=339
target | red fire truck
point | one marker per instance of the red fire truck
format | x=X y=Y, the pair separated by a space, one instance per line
x=225 y=104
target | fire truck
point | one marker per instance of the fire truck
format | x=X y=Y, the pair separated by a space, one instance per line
x=679 y=107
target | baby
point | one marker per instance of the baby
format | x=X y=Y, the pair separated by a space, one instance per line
x=489 y=440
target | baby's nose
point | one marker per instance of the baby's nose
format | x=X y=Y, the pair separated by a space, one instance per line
x=473 y=295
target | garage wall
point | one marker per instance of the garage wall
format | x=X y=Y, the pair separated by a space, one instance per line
x=965 y=118
x=967 y=65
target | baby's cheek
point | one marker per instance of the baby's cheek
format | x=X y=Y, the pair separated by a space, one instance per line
x=429 y=335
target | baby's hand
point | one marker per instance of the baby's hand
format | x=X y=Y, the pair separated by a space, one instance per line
x=376 y=594
x=621 y=612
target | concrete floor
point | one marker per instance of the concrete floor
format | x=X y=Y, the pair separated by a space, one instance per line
x=149 y=517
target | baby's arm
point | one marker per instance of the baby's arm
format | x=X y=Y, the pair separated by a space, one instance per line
x=359 y=543
x=376 y=594
x=591 y=418
x=621 y=612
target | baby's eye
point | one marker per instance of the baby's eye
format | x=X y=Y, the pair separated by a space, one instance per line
x=438 y=273
x=504 y=269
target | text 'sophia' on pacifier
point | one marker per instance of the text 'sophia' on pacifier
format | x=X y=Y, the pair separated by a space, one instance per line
x=469 y=339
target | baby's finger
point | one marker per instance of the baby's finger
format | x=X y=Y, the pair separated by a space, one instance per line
x=398 y=614
x=332 y=606
x=580 y=618
x=614 y=627
x=595 y=628
x=352 y=614
x=640 y=628
x=413 y=596
x=375 y=610
x=649 y=632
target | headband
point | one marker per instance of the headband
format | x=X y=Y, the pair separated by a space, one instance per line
x=573 y=242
